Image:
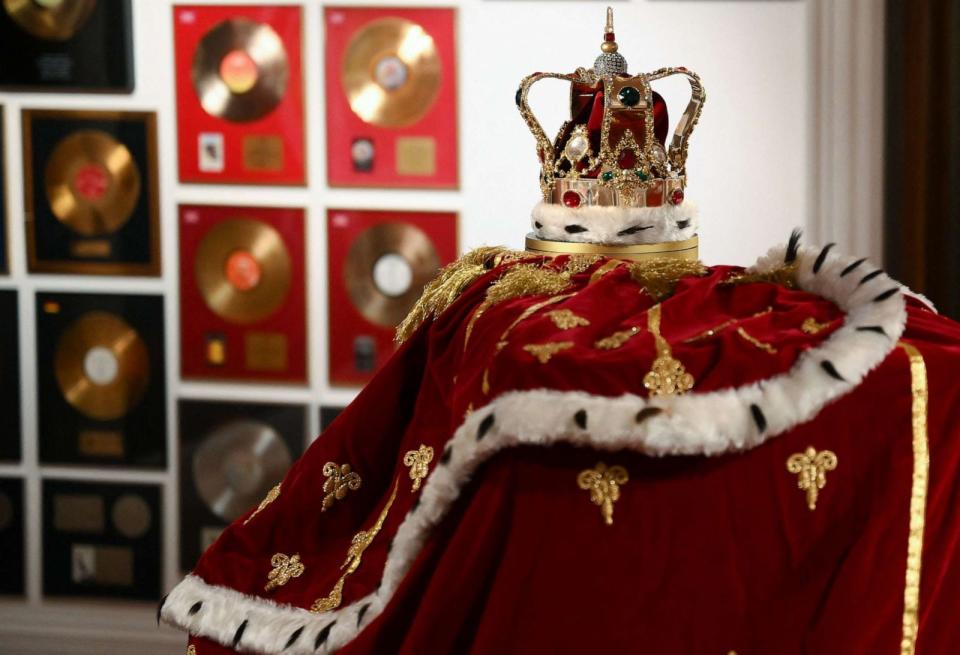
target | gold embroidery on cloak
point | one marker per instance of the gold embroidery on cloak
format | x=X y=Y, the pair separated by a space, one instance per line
x=339 y=479
x=811 y=468
x=667 y=375
x=419 y=462
x=271 y=496
x=604 y=486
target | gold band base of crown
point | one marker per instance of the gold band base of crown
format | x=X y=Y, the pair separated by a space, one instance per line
x=688 y=249
x=592 y=193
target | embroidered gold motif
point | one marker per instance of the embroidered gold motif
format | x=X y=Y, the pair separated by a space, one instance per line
x=810 y=325
x=544 y=351
x=418 y=461
x=604 y=269
x=604 y=486
x=339 y=480
x=360 y=542
x=712 y=332
x=667 y=376
x=565 y=319
x=616 y=339
x=191 y=650
x=271 y=496
x=659 y=277
x=485 y=383
x=918 y=499
x=785 y=276
x=285 y=569
x=811 y=468
x=766 y=347
x=579 y=263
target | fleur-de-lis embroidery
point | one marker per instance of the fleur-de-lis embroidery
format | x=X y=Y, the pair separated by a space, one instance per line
x=616 y=339
x=565 y=319
x=285 y=569
x=604 y=486
x=811 y=468
x=545 y=351
x=811 y=325
x=667 y=375
x=271 y=496
x=339 y=479
x=191 y=650
x=418 y=461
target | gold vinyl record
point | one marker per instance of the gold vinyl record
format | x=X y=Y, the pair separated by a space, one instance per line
x=236 y=464
x=240 y=70
x=102 y=366
x=51 y=20
x=386 y=269
x=92 y=183
x=391 y=72
x=243 y=270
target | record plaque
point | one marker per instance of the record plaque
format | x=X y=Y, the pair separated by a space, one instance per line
x=101 y=539
x=66 y=45
x=391 y=93
x=239 y=94
x=101 y=380
x=378 y=264
x=10 y=379
x=91 y=196
x=242 y=293
x=4 y=224
x=231 y=455
x=11 y=536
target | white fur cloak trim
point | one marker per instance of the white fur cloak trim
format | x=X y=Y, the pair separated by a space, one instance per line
x=622 y=226
x=694 y=424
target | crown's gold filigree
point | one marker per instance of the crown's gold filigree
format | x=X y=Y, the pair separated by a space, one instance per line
x=609 y=152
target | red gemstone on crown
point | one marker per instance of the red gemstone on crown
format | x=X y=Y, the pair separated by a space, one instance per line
x=676 y=197
x=572 y=199
x=627 y=159
x=609 y=37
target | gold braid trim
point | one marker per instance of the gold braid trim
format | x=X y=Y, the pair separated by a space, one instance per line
x=785 y=276
x=659 y=277
x=449 y=284
x=523 y=280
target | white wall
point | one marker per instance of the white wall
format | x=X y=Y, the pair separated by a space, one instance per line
x=752 y=159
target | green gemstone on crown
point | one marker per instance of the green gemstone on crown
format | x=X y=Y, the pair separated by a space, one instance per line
x=607 y=176
x=629 y=96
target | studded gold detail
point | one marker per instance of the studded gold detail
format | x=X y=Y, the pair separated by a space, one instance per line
x=339 y=479
x=604 y=486
x=667 y=376
x=545 y=351
x=360 y=542
x=271 y=496
x=717 y=329
x=565 y=319
x=811 y=468
x=419 y=463
x=810 y=325
x=616 y=339
x=918 y=499
x=191 y=650
x=285 y=569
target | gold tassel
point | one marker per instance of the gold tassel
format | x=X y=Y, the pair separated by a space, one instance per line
x=659 y=277
x=448 y=285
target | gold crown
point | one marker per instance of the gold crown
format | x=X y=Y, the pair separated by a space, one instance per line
x=612 y=152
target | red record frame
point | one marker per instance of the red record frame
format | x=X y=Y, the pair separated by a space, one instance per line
x=423 y=154
x=269 y=149
x=271 y=346
x=358 y=346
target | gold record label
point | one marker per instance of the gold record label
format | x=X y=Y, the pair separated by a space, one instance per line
x=240 y=70
x=416 y=155
x=265 y=351
x=92 y=183
x=102 y=366
x=236 y=464
x=263 y=153
x=242 y=270
x=100 y=443
x=386 y=269
x=391 y=72
x=78 y=513
x=51 y=20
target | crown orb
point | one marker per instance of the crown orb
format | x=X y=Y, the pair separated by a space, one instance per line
x=609 y=64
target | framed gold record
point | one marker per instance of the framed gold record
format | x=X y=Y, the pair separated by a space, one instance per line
x=50 y=20
x=391 y=72
x=243 y=270
x=240 y=70
x=91 y=192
